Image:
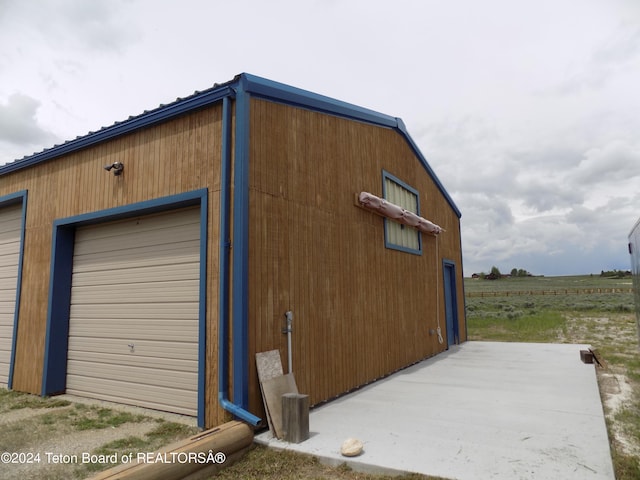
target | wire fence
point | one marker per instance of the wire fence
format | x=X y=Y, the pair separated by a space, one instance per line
x=561 y=291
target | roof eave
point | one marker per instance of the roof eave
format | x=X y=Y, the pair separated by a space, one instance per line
x=146 y=119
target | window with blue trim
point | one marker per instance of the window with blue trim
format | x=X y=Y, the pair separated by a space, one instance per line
x=396 y=235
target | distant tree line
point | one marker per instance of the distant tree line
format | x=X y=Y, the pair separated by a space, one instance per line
x=615 y=273
x=495 y=274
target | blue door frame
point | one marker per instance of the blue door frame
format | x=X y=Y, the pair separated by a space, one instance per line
x=54 y=376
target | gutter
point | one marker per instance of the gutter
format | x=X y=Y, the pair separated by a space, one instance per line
x=237 y=407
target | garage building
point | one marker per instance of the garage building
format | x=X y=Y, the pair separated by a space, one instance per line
x=147 y=262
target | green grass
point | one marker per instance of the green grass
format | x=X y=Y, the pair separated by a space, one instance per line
x=262 y=463
x=163 y=434
x=15 y=401
x=95 y=418
x=536 y=327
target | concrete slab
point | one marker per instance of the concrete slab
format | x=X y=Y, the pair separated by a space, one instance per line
x=478 y=411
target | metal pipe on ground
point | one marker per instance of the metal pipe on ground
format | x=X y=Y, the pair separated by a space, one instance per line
x=186 y=459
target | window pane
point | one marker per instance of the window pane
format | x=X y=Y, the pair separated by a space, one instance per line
x=396 y=233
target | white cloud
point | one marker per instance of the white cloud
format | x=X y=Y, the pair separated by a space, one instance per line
x=19 y=124
x=613 y=162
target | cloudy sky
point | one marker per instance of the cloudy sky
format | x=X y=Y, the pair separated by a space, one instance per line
x=529 y=112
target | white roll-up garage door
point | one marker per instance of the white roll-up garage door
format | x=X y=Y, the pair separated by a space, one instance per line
x=133 y=326
x=10 y=228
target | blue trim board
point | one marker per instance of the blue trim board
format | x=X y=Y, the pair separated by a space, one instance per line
x=240 y=251
x=224 y=253
x=240 y=341
x=57 y=332
x=387 y=243
x=427 y=167
x=19 y=197
x=202 y=310
x=54 y=374
x=268 y=89
x=450 y=287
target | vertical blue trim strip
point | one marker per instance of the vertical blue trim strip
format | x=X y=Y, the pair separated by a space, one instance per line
x=223 y=300
x=54 y=374
x=20 y=198
x=240 y=295
x=453 y=292
x=225 y=247
x=202 y=311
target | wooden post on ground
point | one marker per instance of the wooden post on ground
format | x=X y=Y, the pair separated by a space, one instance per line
x=295 y=417
x=197 y=457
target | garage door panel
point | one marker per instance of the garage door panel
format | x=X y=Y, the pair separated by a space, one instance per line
x=141 y=359
x=5 y=353
x=156 y=273
x=177 y=331
x=10 y=230
x=135 y=257
x=143 y=239
x=10 y=237
x=169 y=311
x=151 y=348
x=136 y=293
x=148 y=396
x=8 y=287
x=10 y=233
x=147 y=223
x=137 y=375
x=7 y=307
x=137 y=282
x=10 y=260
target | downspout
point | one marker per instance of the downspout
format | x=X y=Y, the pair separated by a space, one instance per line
x=234 y=408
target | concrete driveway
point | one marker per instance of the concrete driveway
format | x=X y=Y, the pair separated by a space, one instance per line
x=482 y=410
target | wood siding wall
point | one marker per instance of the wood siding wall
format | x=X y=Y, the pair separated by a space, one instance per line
x=361 y=311
x=174 y=157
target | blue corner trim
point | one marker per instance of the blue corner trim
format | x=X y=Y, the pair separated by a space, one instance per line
x=224 y=282
x=57 y=332
x=224 y=253
x=240 y=251
x=6 y=200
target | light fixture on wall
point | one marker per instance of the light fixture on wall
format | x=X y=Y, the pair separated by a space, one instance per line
x=117 y=168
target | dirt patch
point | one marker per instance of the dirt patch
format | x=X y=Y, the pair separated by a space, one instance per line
x=617 y=390
x=61 y=442
x=24 y=413
x=69 y=449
